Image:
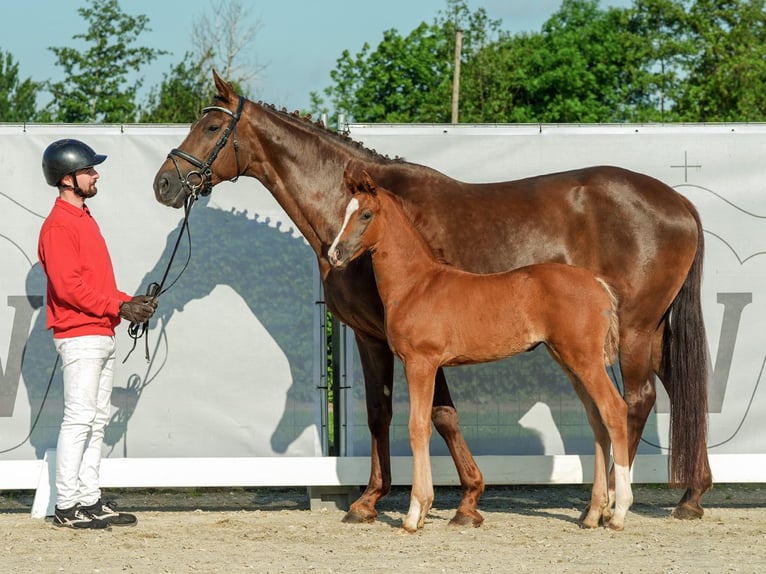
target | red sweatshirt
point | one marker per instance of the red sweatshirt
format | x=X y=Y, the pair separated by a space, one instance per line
x=83 y=298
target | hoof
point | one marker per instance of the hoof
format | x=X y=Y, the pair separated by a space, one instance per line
x=615 y=527
x=356 y=517
x=687 y=511
x=462 y=519
x=588 y=525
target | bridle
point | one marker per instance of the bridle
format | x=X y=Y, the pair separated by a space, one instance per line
x=200 y=181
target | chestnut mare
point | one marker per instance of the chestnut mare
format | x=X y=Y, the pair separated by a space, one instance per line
x=437 y=316
x=637 y=233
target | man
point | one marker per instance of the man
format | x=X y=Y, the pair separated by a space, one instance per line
x=83 y=308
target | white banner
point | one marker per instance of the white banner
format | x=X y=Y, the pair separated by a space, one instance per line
x=719 y=168
x=231 y=345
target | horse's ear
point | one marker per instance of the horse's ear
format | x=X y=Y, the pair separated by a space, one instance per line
x=367 y=183
x=355 y=178
x=225 y=91
x=348 y=178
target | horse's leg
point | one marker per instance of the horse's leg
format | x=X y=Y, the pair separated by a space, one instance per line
x=420 y=381
x=378 y=370
x=599 y=499
x=639 y=390
x=613 y=417
x=445 y=419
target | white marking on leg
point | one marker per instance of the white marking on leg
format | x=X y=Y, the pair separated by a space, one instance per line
x=624 y=494
x=410 y=522
x=352 y=206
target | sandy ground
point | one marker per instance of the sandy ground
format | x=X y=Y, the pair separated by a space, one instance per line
x=274 y=530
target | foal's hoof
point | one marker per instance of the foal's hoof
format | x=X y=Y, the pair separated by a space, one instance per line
x=589 y=524
x=688 y=511
x=462 y=519
x=615 y=527
x=355 y=516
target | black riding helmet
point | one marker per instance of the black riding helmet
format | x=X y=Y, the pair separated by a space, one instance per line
x=67 y=156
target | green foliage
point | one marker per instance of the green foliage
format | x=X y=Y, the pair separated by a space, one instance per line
x=655 y=37
x=184 y=91
x=96 y=88
x=18 y=98
x=576 y=70
x=660 y=60
x=657 y=61
x=726 y=78
x=404 y=79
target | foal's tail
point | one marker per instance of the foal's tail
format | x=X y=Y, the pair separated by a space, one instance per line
x=683 y=370
x=612 y=343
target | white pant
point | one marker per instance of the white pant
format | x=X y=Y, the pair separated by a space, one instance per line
x=88 y=367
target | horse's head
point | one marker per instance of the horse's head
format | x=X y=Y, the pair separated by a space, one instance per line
x=208 y=155
x=353 y=238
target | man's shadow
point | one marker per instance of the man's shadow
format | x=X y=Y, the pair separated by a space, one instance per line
x=268 y=267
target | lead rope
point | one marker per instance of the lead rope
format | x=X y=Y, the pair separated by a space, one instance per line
x=138 y=330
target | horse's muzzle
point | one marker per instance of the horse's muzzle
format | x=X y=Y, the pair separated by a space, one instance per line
x=336 y=259
x=168 y=190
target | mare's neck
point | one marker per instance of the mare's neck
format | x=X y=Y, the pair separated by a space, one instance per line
x=401 y=258
x=302 y=166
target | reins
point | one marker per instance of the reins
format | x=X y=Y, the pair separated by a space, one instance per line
x=197 y=182
x=138 y=330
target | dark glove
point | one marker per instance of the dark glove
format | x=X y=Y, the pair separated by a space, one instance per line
x=139 y=309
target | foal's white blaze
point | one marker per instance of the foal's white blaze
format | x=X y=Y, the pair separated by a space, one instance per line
x=352 y=206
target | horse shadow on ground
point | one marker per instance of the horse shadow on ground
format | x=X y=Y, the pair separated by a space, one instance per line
x=265 y=264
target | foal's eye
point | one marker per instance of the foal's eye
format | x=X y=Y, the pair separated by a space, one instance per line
x=367 y=215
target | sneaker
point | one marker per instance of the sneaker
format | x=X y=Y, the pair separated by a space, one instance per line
x=77 y=517
x=105 y=512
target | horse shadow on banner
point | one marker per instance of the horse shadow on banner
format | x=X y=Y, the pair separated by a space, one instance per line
x=269 y=268
x=41 y=371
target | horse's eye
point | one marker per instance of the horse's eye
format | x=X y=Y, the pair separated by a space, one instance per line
x=213 y=128
x=367 y=215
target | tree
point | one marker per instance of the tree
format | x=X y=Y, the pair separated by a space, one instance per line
x=657 y=40
x=577 y=69
x=221 y=40
x=96 y=88
x=18 y=99
x=726 y=78
x=406 y=78
x=181 y=95
x=660 y=60
x=402 y=80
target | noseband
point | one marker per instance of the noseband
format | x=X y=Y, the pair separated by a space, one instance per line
x=200 y=181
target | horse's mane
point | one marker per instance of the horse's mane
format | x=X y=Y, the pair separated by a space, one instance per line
x=318 y=127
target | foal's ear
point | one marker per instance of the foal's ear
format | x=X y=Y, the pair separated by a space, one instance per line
x=367 y=184
x=349 y=178
x=357 y=180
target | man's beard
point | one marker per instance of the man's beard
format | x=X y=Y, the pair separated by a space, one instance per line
x=87 y=194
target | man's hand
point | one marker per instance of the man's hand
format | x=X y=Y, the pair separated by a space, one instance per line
x=139 y=309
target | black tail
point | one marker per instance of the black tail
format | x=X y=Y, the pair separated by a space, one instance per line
x=684 y=373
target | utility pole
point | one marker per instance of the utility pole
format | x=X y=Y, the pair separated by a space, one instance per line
x=456 y=75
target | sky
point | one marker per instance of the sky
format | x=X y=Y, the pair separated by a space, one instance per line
x=297 y=42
